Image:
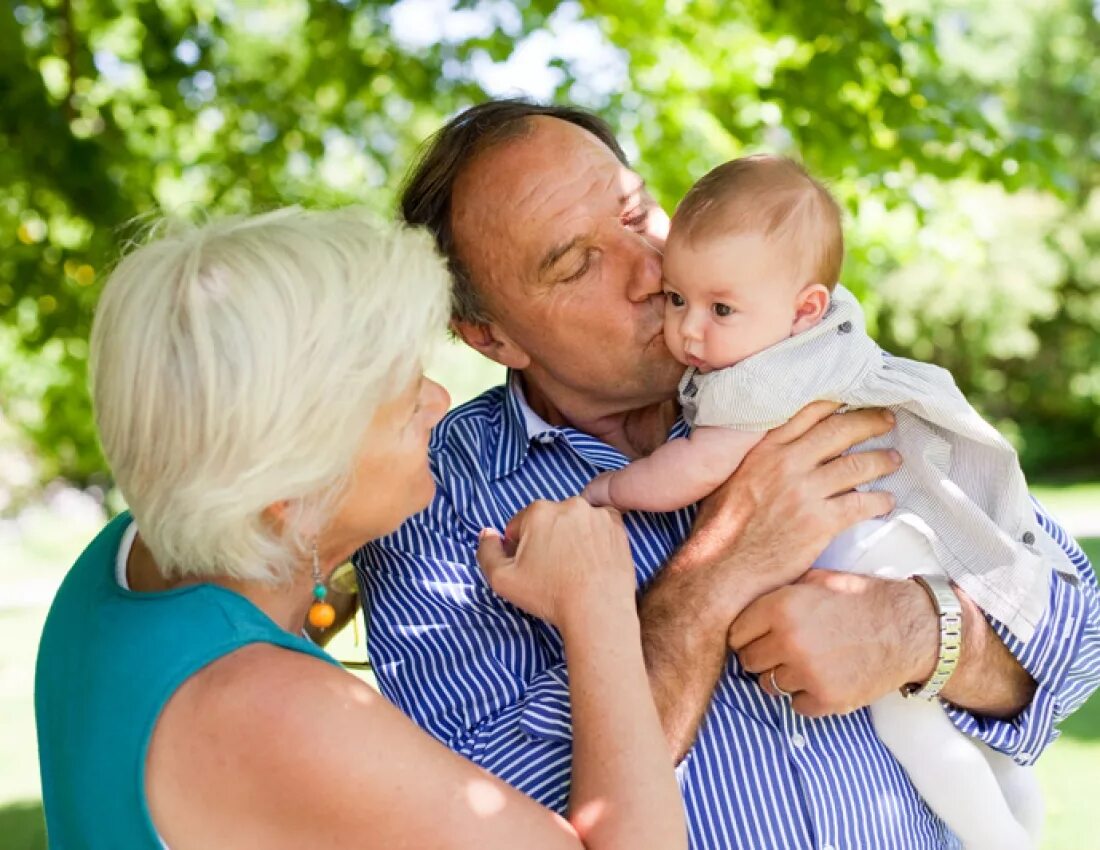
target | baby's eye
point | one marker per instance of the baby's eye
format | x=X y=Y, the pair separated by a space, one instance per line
x=723 y=310
x=675 y=299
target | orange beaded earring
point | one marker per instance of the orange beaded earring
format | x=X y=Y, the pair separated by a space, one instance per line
x=321 y=614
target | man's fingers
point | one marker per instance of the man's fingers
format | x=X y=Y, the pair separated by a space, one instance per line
x=751 y=624
x=808 y=705
x=778 y=681
x=836 y=434
x=803 y=421
x=858 y=506
x=849 y=471
x=760 y=655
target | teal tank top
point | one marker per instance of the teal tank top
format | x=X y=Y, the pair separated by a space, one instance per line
x=109 y=660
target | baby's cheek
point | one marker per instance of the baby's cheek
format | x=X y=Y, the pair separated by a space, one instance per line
x=672 y=327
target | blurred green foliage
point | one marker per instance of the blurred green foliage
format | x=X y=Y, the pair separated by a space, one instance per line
x=963 y=137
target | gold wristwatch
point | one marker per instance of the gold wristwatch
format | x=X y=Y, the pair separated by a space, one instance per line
x=949 y=612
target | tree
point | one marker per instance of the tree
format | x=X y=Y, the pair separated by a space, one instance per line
x=113 y=111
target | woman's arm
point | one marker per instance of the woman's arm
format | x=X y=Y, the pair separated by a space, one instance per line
x=677 y=474
x=624 y=793
x=270 y=748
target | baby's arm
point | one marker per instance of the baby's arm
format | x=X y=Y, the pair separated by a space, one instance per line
x=679 y=473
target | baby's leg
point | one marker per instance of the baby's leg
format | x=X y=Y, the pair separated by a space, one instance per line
x=950 y=772
x=891 y=548
x=1021 y=790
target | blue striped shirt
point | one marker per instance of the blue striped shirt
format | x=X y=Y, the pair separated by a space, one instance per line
x=490 y=682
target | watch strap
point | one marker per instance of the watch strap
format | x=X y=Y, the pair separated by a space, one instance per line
x=949 y=613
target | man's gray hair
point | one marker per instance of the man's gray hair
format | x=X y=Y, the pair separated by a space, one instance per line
x=427 y=195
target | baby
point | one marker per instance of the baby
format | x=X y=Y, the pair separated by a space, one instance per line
x=754 y=310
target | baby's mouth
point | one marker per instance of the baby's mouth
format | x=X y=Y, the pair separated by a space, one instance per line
x=701 y=365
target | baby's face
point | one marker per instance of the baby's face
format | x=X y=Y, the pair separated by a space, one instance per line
x=727 y=298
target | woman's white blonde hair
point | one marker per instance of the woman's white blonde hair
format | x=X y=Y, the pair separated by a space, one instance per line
x=237 y=365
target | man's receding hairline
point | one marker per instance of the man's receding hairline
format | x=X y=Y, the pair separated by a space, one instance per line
x=523 y=129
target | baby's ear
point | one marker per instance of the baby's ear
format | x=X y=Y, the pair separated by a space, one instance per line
x=809 y=306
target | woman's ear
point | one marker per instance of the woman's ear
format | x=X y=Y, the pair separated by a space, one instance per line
x=810 y=305
x=491 y=341
x=277 y=514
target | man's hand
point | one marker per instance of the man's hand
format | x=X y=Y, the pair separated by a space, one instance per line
x=838 y=642
x=792 y=494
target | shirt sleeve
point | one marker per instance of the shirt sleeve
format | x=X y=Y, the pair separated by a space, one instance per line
x=471 y=669
x=1063 y=656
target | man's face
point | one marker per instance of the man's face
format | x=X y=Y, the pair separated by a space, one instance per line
x=565 y=244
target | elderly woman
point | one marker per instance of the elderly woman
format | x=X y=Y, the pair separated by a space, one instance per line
x=259 y=399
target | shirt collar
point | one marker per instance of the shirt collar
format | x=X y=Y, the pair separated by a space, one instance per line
x=533 y=424
x=521 y=426
x=511 y=447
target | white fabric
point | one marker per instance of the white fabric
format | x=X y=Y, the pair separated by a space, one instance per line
x=986 y=799
x=960 y=483
x=533 y=423
x=123 y=556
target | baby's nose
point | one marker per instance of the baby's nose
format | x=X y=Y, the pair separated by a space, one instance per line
x=691 y=327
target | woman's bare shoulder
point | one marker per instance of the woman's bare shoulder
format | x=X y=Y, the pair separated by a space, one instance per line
x=270 y=747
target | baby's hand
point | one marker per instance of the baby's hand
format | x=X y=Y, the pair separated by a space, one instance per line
x=598 y=491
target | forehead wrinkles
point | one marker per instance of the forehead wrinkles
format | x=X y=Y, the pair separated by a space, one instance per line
x=515 y=201
x=592 y=181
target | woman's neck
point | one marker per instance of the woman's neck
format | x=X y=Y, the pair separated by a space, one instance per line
x=286 y=604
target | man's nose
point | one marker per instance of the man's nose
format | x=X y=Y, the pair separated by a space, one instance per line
x=645 y=277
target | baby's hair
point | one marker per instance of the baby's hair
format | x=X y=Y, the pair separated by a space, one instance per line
x=771 y=195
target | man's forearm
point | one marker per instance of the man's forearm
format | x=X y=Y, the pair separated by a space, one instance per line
x=988 y=680
x=684 y=617
x=758 y=532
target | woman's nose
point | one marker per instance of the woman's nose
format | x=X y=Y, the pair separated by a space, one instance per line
x=438 y=399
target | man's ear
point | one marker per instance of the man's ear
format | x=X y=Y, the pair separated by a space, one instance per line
x=491 y=341
x=810 y=305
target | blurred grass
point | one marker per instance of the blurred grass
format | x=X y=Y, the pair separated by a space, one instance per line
x=1069 y=770
x=1078 y=497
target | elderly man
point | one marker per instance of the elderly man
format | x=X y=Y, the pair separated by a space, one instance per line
x=555 y=249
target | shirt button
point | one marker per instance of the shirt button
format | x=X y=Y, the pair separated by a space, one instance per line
x=1023 y=756
x=545 y=439
x=844 y=328
x=1029 y=538
x=798 y=741
x=827 y=847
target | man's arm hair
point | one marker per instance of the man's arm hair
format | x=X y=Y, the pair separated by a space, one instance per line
x=761 y=530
